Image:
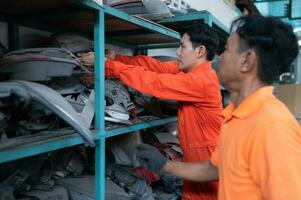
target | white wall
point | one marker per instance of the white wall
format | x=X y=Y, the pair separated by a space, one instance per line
x=218 y=8
x=162 y=52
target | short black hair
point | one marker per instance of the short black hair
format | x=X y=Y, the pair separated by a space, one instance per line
x=203 y=34
x=274 y=42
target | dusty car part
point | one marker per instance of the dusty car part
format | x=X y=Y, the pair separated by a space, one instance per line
x=165 y=137
x=12 y=183
x=171 y=128
x=66 y=85
x=120 y=157
x=83 y=188
x=141 y=190
x=83 y=103
x=148 y=103
x=70 y=162
x=114 y=192
x=127 y=143
x=116 y=93
x=57 y=192
x=40 y=64
x=126 y=177
x=118 y=103
x=117 y=112
x=73 y=42
x=119 y=121
x=3 y=50
x=54 y=102
x=150 y=9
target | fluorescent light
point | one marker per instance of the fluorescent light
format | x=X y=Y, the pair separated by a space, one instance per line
x=299 y=42
x=297 y=30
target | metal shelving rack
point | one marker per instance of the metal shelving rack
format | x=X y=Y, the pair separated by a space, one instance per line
x=104 y=24
x=88 y=18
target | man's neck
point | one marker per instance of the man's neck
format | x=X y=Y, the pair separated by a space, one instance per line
x=244 y=90
x=202 y=61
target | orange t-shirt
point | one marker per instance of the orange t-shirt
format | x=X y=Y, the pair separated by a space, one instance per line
x=199 y=105
x=259 y=150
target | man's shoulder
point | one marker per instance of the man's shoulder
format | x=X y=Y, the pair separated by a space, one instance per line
x=274 y=113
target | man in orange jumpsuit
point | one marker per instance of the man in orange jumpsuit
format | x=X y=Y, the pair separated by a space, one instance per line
x=259 y=152
x=193 y=83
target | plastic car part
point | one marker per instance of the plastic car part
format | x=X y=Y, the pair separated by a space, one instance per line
x=8 y=89
x=126 y=177
x=116 y=93
x=66 y=85
x=12 y=183
x=57 y=104
x=148 y=9
x=127 y=142
x=83 y=104
x=166 y=137
x=40 y=64
x=121 y=158
x=73 y=42
x=58 y=192
x=142 y=190
x=117 y=112
x=83 y=188
x=3 y=50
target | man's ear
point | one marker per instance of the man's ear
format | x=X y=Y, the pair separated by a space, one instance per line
x=248 y=61
x=201 y=51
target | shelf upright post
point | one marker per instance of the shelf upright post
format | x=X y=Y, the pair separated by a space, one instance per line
x=99 y=43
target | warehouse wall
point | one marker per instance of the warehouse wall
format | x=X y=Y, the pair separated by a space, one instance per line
x=162 y=52
x=219 y=8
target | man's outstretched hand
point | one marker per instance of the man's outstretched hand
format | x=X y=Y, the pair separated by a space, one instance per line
x=86 y=59
x=155 y=160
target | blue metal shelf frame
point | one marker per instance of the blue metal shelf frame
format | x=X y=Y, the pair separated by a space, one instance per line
x=142 y=23
x=75 y=139
x=139 y=126
x=200 y=15
x=99 y=43
x=39 y=148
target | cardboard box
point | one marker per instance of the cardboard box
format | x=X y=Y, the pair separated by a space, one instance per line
x=290 y=95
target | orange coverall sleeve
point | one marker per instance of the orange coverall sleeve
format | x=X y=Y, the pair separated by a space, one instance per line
x=275 y=163
x=215 y=155
x=182 y=87
x=152 y=64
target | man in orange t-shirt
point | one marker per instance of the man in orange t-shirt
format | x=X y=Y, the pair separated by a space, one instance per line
x=193 y=83
x=259 y=152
